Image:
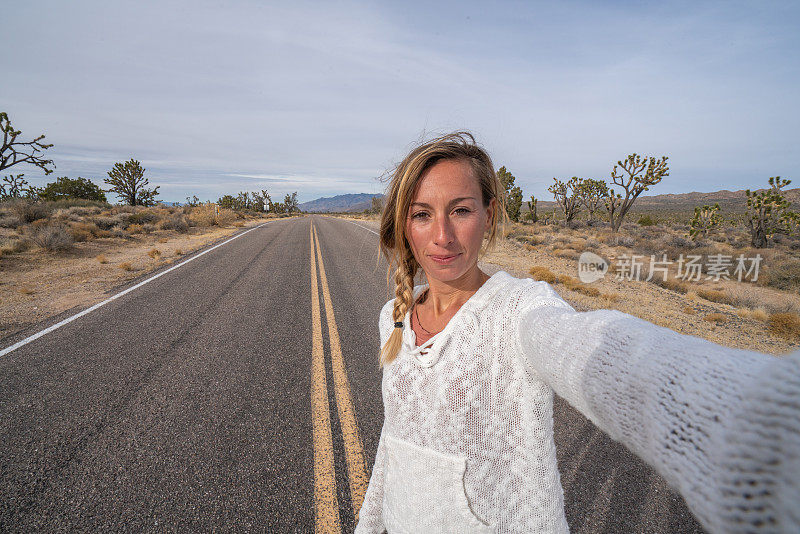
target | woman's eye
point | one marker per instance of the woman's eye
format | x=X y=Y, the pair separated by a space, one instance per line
x=419 y=215
x=462 y=211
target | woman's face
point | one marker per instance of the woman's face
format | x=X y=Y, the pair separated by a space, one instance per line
x=446 y=222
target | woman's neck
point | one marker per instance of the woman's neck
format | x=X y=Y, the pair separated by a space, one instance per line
x=441 y=296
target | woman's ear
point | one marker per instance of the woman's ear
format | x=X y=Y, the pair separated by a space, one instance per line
x=490 y=213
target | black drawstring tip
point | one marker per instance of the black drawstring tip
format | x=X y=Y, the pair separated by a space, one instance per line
x=398 y=324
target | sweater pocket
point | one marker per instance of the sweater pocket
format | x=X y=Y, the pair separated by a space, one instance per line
x=424 y=491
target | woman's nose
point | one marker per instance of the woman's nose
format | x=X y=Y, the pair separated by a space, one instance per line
x=443 y=233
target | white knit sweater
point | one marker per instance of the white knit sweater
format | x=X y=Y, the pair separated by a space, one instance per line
x=467 y=440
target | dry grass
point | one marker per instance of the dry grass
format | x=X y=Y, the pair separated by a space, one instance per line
x=786 y=324
x=567 y=253
x=101 y=258
x=178 y=252
x=672 y=284
x=715 y=317
x=163 y=240
x=126 y=266
x=688 y=310
x=538 y=272
x=759 y=314
x=154 y=253
x=135 y=229
x=714 y=295
x=542 y=273
x=26 y=290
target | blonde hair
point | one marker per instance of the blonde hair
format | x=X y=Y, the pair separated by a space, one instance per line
x=458 y=145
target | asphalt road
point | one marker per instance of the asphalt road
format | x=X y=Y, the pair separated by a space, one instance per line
x=198 y=401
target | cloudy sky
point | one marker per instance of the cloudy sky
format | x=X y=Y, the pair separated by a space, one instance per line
x=323 y=98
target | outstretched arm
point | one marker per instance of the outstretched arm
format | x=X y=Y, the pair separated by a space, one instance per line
x=721 y=425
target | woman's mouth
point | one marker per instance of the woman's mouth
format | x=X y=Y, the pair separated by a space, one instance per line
x=443 y=260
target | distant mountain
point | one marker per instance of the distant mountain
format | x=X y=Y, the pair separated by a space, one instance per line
x=348 y=202
x=168 y=203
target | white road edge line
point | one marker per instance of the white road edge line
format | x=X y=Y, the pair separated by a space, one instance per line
x=49 y=329
x=364 y=227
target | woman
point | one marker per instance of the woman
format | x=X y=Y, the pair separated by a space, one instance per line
x=470 y=363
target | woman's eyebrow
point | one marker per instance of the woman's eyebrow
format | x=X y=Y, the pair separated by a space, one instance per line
x=454 y=201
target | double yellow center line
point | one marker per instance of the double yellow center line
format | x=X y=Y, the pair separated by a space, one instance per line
x=325 y=501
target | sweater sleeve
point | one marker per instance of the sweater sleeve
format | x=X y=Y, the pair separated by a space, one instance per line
x=370 y=517
x=720 y=425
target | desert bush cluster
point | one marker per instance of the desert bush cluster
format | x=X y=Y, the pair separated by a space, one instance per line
x=57 y=226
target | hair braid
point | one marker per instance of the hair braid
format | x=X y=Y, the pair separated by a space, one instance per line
x=404 y=294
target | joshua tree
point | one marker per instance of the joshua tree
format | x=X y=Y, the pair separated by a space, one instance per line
x=768 y=213
x=13 y=151
x=16 y=186
x=512 y=192
x=637 y=175
x=705 y=219
x=532 y=207
x=376 y=204
x=128 y=181
x=567 y=195
x=290 y=203
x=591 y=194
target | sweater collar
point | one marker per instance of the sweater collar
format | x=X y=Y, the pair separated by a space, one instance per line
x=468 y=309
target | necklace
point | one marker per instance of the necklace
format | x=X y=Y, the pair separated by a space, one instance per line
x=420 y=324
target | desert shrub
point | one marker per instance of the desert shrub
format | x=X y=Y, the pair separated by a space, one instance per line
x=126 y=266
x=646 y=220
x=202 y=216
x=542 y=273
x=92 y=205
x=781 y=275
x=623 y=241
x=677 y=241
x=759 y=314
x=785 y=324
x=575 y=224
x=148 y=228
x=672 y=284
x=715 y=318
x=101 y=258
x=9 y=221
x=14 y=245
x=51 y=237
x=154 y=253
x=573 y=284
x=175 y=222
x=85 y=210
x=714 y=295
x=27 y=211
x=83 y=231
x=142 y=217
x=227 y=217
x=567 y=253
x=135 y=229
x=105 y=223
